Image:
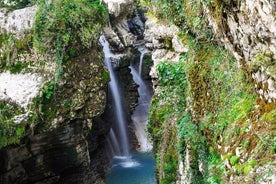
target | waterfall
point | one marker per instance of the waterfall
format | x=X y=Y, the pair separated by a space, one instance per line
x=140 y=115
x=113 y=85
x=141 y=63
x=114 y=142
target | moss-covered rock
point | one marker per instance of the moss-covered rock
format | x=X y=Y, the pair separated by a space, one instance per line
x=71 y=95
x=221 y=97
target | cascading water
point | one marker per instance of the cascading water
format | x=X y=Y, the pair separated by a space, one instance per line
x=141 y=63
x=140 y=115
x=113 y=85
x=134 y=168
x=114 y=143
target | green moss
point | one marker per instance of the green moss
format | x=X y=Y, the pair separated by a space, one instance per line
x=10 y=132
x=18 y=67
x=246 y=168
x=215 y=167
x=263 y=59
x=48 y=90
x=170 y=169
x=269 y=116
x=185 y=14
x=11 y=48
x=234 y=160
x=225 y=106
x=170 y=160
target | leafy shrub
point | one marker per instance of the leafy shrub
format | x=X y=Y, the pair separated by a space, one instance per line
x=67 y=27
x=48 y=90
x=186 y=14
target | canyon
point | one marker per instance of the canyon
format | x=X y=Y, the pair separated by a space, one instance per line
x=191 y=84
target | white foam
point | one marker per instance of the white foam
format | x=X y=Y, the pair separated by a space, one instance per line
x=121 y=157
x=130 y=164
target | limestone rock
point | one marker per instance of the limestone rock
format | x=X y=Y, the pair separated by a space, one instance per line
x=160 y=55
x=252 y=31
x=20 y=88
x=136 y=25
x=119 y=7
x=178 y=45
x=114 y=41
x=163 y=40
x=125 y=25
x=17 y=21
x=124 y=33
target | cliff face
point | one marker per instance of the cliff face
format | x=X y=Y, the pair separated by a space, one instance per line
x=213 y=112
x=50 y=125
x=62 y=134
x=248 y=30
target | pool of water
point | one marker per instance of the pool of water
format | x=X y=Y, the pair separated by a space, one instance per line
x=135 y=169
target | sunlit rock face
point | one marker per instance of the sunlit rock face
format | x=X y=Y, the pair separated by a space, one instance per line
x=17 y=21
x=249 y=33
x=119 y=7
x=118 y=33
x=20 y=88
x=162 y=39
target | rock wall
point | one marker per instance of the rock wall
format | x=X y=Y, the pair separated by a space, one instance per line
x=61 y=137
x=162 y=40
x=45 y=158
x=125 y=25
x=61 y=146
x=248 y=31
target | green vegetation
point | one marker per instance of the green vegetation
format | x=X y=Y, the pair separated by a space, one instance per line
x=212 y=100
x=10 y=132
x=63 y=30
x=234 y=160
x=168 y=105
x=264 y=59
x=48 y=90
x=185 y=14
x=67 y=28
x=215 y=167
x=11 y=48
x=245 y=168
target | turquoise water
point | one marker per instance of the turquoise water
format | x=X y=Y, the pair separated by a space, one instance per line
x=136 y=169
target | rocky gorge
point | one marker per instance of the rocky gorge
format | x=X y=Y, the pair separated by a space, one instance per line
x=211 y=65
